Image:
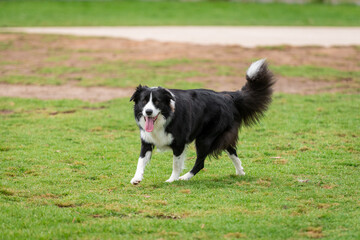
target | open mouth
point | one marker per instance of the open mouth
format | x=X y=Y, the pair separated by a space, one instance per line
x=149 y=123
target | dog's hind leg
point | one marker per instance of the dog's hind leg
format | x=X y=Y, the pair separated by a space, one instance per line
x=178 y=163
x=145 y=156
x=236 y=161
x=202 y=150
x=199 y=164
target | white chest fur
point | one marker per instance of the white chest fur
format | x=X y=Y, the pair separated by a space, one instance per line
x=158 y=136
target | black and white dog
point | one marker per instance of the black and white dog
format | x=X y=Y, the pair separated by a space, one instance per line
x=172 y=118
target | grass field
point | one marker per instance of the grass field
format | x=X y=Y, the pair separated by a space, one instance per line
x=143 y=13
x=66 y=165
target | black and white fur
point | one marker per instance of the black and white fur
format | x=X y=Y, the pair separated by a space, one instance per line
x=172 y=118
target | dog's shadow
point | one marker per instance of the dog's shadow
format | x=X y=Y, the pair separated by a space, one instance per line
x=228 y=181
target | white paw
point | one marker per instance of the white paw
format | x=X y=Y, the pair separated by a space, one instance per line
x=171 y=179
x=240 y=173
x=135 y=180
x=186 y=176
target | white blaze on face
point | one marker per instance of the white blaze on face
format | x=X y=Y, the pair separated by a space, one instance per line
x=150 y=119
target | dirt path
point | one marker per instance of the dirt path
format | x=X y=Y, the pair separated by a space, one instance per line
x=90 y=94
x=243 y=36
x=101 y=94
x=56 y=67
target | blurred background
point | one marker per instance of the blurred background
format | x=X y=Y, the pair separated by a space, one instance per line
x=176 y=44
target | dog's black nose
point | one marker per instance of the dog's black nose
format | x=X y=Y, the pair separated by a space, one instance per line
x=149 y=112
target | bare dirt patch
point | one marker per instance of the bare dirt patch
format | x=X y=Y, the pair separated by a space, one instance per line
x=5 y=112
x=91 y=94
x=56 y=67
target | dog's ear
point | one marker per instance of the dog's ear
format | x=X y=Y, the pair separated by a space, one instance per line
x=136 y=95
x=167 y=94
x=170 y=98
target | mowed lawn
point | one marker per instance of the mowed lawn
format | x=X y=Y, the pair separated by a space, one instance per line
x=150 y=13
x=66 y=166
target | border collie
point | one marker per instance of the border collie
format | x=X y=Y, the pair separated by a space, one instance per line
x=172 y=118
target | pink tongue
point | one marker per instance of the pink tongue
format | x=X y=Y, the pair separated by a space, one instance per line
x=149 y=124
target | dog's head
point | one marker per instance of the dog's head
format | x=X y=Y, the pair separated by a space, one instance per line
x=153 y=107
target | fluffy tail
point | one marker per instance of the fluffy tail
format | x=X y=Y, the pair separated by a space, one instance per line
x=254 y=98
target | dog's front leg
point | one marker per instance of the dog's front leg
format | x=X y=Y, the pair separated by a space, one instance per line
x=145 y=156
x=178 y=163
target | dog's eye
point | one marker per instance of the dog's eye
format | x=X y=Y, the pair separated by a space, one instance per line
x=156 y=102
x=144 y=101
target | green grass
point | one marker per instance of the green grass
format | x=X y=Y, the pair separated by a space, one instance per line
x=314 y=72
x=30 y=80
x=143 y=13
x=107 y=73
x=65 y=168
x=151 y=73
